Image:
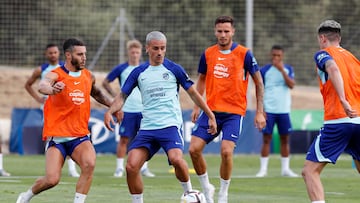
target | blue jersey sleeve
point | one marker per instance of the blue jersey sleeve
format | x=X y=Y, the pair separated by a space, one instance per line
x=132 y=80
x=263 y=71
x=202 y=64
x=321 y=57
x=290 y=69
x=116 y=72
x=180 y=74
x=250 y=63
x=44 y=66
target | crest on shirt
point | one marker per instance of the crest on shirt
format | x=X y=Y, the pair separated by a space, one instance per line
x=166 y=76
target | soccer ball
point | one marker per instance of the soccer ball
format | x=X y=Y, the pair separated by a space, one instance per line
x=193 y=196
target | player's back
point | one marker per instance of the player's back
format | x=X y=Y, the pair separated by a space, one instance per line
x=349 y=67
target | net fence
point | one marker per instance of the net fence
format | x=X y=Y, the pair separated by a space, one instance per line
x=105 y=25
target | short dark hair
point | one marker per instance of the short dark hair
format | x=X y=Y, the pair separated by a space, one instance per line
x=224 y=19
x=50 y=45
x=277 y=47
x=70 y=43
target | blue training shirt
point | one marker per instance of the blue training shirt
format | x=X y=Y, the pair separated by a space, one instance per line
x=277 y=97
x=46 y=67
x=159 y=88
x=133 y=103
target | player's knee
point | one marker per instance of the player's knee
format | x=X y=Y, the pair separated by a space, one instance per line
x=52 y=181
x=132 y=168
x=194 y=151
x=226 y=153
x=88 y=166
x=176 y=161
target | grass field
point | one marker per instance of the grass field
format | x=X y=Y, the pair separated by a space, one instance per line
x=340 y=181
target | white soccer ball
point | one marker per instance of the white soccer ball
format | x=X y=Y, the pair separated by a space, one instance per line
x=193 y=196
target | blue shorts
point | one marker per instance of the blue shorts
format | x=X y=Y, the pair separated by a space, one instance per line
x=229 y=124
x=166 y=138
x=130 y=124
x=282 y=121
x=333 y=140
x=67 y=148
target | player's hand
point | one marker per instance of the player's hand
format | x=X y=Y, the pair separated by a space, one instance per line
x=195 y=114
x=41 y=100
x=108 y=121
x=212 y=126
x=119 y=115
x=260 y=121
x=58 y=87
x=348 y=110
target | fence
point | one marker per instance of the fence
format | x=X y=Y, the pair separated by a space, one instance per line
x=27 y=26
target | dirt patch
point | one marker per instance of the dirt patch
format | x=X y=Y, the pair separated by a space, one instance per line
x=13 y=93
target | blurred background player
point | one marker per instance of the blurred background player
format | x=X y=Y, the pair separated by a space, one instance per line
x=224 y=70
x=159 y=81
x=278 y=80
x=52 y=54
x=132 y=108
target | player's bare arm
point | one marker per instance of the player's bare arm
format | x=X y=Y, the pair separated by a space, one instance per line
x=200 y=87
x=196 y=97
x=115 y=109
x=97 y=94
x=49 y=86
x=260 y=121
x=290 y=82
x=338 y=83
x=107 y=87
x=28 y=85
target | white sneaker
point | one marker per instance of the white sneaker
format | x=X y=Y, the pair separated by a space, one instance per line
x=223 y=198
x=289 y=173
x=209 y=194
x=21 y=199
x=74 y=173
x=4 y=173
x=147 y=173
x=119 y=173
x=261 y=174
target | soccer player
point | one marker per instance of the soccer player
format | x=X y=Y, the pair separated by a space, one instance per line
x=66 y=119
x=133 y=106
x=161 y=126
x=278 y=79
x=339 y=81
x=224 y=71
x=52 y=54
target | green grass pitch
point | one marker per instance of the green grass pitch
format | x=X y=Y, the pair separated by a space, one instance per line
x=340 y=181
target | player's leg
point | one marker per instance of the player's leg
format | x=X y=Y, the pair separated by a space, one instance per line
x=136 y=158
x=84 y=154
x=331 y=142
x=284 y=127
x=2 y=170
x=176 y=159
x=231 y=129
x=264 y=155
x=72 y=168
x=265 y=148
x=226 y=165
x=311 y=175
x=120 y=155
x=54 y=162
x=200 y=137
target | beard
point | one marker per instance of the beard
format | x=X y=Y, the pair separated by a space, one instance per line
x=76 y=64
